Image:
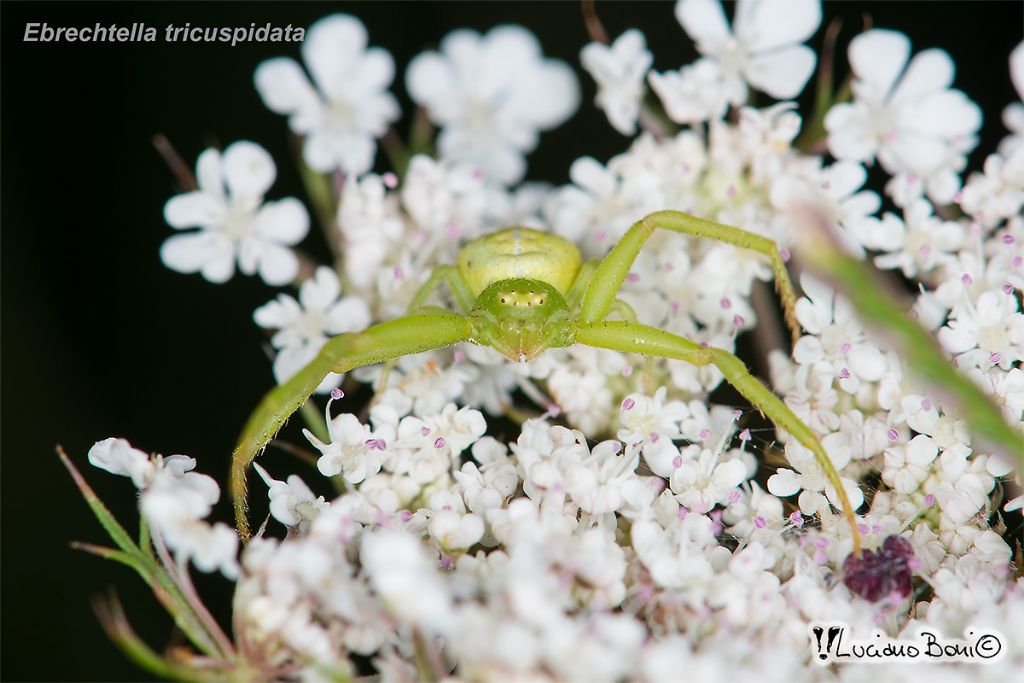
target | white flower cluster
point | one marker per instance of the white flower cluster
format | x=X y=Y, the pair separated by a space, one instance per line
x=561 y=553
x=174 y=501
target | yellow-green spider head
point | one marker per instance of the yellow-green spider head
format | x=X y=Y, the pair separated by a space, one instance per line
x=521 y=318
x=519 y=277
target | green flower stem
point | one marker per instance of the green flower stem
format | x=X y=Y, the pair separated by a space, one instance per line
x=117 y=628
x=321 y=196
x=814 y=132
x=314 y=420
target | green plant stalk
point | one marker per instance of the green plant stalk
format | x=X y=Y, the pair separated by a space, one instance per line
x=116 y=626
x=144 y=563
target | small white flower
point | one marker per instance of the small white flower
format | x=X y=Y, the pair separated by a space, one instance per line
x=350 y=105
x=998 y=193
x=644 y=418
x=693 y=93
x=176 y=495
x=406 y=581
x=705 y=477
x=919 y=243
x=117 y=456
x=450 y=525
x=233 y=220
x=619 y=70
x=836 y=344
x=209 y=548
x=811 y=478
x=355 y=450
x=304 y=326
x=1013 y=115
x=966 y=484
x=907 y=465
x=764 y=48
x=989 y=333
x=905 y=114
x=492 y=95
x=445 y=200
x=596 y=483
x=372 y=227
x=292 y=502
x=836 y=190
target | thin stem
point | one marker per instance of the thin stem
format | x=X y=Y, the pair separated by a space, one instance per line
x=814 y=133
x=208 y=642
x=212 y=627
x=314 y=420
x=595 y=29
x=174 y=162
x=115 y=623
x=304 y=455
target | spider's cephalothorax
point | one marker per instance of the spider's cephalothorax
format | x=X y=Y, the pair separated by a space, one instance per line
x=520 y=318
x=519 y=277
x=522 y=291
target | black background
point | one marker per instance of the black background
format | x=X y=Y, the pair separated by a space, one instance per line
x=100 y=339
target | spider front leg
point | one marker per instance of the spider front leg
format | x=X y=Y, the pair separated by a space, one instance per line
x=636 y=338
x=612 y=271
x=400 y=337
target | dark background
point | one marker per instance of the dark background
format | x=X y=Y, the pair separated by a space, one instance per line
x=100 y=339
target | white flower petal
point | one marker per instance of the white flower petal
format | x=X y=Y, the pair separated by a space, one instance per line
x=868 y=362
x=248 y=169
x=808 y=350
x=767 y=24
x=947 y=113
x=220 y=267
x=704 y=21
x=853 y=493
x=878 y=57
x=318 y=292
x=729 y=474
x=285 y=221
x=208 y=172
x=348 y=315
x=189 y=252
x=784 y=482
x=929 y=71
x=331 y=48
x=1017 y=69
x=285 y=90
x=277 y=265
x=781 y=74
x=193 y=209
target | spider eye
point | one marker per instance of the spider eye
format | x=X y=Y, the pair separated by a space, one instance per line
x=540 y=301
x=502 y=301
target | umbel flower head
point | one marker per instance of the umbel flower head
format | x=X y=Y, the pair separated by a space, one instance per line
x=593 y=515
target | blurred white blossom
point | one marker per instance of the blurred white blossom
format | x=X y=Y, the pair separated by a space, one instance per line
x=304 y=325
x=906 y=115
x=619 y=69
x=235 y=224
x=349 y=107
x=492 y=94
x=763 y=49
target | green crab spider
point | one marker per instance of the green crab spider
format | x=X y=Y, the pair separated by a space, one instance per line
x=522 y=292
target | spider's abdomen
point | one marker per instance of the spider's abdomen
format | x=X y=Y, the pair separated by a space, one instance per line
x=519 y=254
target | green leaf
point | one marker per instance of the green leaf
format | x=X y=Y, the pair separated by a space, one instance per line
x=113 y=528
